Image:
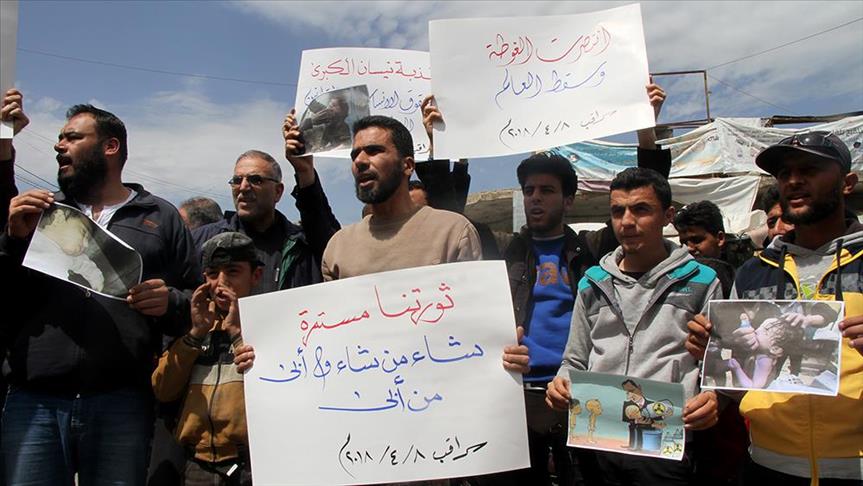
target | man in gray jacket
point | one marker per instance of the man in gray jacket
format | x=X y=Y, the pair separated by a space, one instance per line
x=630 y=319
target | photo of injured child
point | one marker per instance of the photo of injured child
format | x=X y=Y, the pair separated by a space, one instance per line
x=72 y=247
x=326 y=122
x=783 y=346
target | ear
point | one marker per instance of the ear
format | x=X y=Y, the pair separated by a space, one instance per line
x=111 y=147
x=410 y=166
x=568 y=201
x=256 y=275
x=669 y=215
x=848 y=183
x=280 y=189
x=720 y=239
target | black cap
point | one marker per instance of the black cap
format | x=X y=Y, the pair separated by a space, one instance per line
x=823 y=145
x=226 y=248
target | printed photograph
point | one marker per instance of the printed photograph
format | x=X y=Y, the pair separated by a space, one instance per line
x=326 y=123
x=788 y=346
x=626 y=415
x=72 y=247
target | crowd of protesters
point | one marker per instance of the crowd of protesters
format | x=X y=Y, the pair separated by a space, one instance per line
x=150 y=390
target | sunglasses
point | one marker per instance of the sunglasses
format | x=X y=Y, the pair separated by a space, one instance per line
x=811 y=139
x=254 y=179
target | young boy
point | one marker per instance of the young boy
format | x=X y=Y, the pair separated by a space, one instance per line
x=630 y=318
x=199 y=367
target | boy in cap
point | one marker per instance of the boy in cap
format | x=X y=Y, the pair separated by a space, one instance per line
x=199 y=367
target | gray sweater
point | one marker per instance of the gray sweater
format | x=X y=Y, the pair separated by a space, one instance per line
x=638 y=328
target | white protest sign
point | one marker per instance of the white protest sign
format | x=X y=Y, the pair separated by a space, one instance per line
x=397 y=82
x=514 y=85
x=389 y=377
x=8 y=42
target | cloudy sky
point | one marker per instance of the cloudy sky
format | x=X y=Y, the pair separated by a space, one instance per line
x=186 y=131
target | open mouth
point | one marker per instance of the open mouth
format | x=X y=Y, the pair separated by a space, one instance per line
x=63 y=161
x=365 y=180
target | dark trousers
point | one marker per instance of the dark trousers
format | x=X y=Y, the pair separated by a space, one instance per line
x=624 y=470
x=104 y=438
x=199 y=473
x=759 y=475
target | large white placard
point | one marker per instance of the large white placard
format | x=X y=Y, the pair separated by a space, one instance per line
x=514 y=85
x=8 y=42
x=397 y=82
x=388 y=377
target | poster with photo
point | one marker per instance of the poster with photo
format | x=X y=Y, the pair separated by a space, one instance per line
x=72 y=247
x=326 y=122
x=627 y=415
x=791 y=346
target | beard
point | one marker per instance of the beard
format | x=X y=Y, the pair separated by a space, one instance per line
x=87 y=174
x=818 y=211
x=386 y=186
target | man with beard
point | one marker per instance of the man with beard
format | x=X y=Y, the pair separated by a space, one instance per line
x=78 y=363
x=803 y=439
x=398 y=234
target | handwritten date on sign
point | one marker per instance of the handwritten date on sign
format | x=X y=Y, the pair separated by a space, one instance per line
x=353 y=457
x=512 y=131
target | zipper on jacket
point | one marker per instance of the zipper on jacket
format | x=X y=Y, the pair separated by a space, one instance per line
x=813 y=461
x=629 y=348
x=210 y=407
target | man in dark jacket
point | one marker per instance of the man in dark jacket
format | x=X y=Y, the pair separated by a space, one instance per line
x=79 y=363
x=291 y=254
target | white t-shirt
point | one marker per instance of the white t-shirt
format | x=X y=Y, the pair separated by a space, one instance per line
x=107 y=211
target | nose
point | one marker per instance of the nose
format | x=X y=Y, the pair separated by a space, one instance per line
x=245 y=185
x=223 y=278
x=60 y=147
x=628 y=219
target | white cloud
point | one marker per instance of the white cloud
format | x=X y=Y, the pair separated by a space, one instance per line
x=679 y=36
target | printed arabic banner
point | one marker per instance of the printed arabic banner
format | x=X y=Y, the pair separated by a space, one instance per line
x=397 y=81
x=388 y=377
x=514 y=85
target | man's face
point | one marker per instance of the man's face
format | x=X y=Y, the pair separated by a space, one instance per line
x=83 y=165
x=544 y=204
x=255 y=202
x=775 y=224
x=378 y=169
x=236 y=276
x=810 y=189
x=637 y=218
x=702 y=243
x=633 y=393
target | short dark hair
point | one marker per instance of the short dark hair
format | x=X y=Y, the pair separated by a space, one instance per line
x=416 y=185
x=637 y=177
x=702 y=214
x=628 y=380
x=107 y=126
x=276 y=168
x=770 y=197
x=399 y=134
x=201 y=211
x=552 y=164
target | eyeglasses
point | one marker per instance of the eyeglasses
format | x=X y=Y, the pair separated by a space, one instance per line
x=254 y=179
